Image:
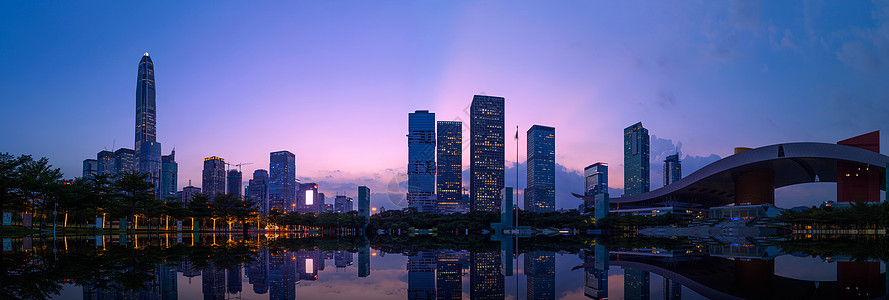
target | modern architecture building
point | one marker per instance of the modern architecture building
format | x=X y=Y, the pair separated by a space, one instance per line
x=449 y=167
x=213 y=182
x=595 y=181
x=90 y=167
x=421 y=161
x=672 y=169
x=486 y=158
x=169 y=176
x=342 y=204
x=307 y=199
x=124 y=161
x=282 y=181
x=540 y=195
x=364 y=202
x=258 y=190
x=148 y=150
x=234 y=182
x=188 y=192
x=636 y=160
x=105 y=163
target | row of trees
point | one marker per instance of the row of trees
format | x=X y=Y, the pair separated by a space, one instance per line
x=859 y=215
x=476 y=221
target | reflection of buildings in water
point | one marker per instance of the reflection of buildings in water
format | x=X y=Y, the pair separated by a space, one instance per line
x=540 y=268
x=189 y=270
x=363 y=261
x=169 y=289
x=486 y=280
x=258 y=272
x=322 y=257
x=672 y=290
x=213 y=282
x=233 y=280
x=595 y=276
x=421 y=276
x=282 y=276
x=342 y=259
x=449 y=274
x=636 y=284
x=754 y=278
x=306 y=265
x=859 y=279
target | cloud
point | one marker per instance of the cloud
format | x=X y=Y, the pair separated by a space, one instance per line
x=661 y=148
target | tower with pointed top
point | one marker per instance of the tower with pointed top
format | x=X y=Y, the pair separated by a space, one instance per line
x=147 y=149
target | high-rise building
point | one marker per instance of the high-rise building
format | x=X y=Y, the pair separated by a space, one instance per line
x=169 y=175
x=234 y=181
x=105 y=163
x=421 y=160
x=449 y=180
x=282 y=181
x=258 y=190
x=90 y=167
x=213 y=176
x=124 y=161
x=540 y=195
x=188 y=192
x=672 y=169
x=486 y=279
x=486 y=160
x=307 y=199
x=148 y=150
x=342 y=204
x=636 y=160
x=421 y=276
x=595 y=183
x=364 y=202
x=636 y=284
x=540 y=268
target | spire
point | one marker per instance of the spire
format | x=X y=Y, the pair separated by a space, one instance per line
x=146 y=54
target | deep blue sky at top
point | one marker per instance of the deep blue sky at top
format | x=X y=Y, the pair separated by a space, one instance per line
x=334 y=81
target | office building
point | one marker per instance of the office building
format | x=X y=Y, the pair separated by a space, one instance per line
x=105 y=163
x=188 y=192
x=540 y=268
x=636 y=160
x=672 y=169
x=421 y=161
x=364 y=202
x=90 y=167
x=307 y=199
x=234 y=182
x=486 y=279
x=540 y=195
x=282 y=181
x=486 y=158
x=124 y=161
x=449 y=167
x=148 y=150
x=258 y=190
x=342 y=204
x=213 y=182
x=595 y=183
x=169 y=175
x=449 y=274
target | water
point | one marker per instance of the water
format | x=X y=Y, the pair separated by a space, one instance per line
x=311 y=267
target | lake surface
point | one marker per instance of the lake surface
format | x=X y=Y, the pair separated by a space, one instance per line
x=171 y=266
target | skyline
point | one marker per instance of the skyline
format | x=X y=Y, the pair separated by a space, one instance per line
x=756 y=76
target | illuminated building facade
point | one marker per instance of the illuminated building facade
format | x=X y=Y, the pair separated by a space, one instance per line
x=124 y=161
x=307 y=199
x=486 y=158
x=540 y=195
x=636 y=160
x=258 y=189
x=105 y=163
x=282 y=181
x=449 y=167
x=147 y=149
x=213 y=181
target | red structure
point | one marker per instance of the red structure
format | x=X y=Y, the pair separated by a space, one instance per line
x=856 y=181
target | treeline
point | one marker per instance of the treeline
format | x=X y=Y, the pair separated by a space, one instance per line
x=475 y=221
x=323 y=222
x=860 y=215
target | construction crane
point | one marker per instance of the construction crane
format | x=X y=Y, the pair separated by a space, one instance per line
x=239 y=165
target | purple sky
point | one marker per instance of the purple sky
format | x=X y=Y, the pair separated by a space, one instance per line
x=334 y=82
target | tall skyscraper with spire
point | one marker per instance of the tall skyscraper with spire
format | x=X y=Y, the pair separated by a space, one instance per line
x=148 y=150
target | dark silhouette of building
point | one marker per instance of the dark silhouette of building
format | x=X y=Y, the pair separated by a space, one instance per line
x=636 y=284
x=213 y=182
x=421 y=161
x=258 y=189
x=169 y=175
x=449 y=168
x=858 y=181
x=540 y=195
x=486 y=157
x=363 y=260
x=636 y=160
x=672 y=169
x=105 y=163
x=213 y=282
x=258 y=272
x=540 y=268
x=421 y=276
x=90 y=167
x=363 y=202
x=234 y=181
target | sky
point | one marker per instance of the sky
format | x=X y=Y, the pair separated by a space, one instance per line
x=333 y=82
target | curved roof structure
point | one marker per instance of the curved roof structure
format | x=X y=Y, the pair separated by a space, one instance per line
x=792 y=163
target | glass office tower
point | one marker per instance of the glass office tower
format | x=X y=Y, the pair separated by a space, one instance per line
x=540 y=195
x=486 y=158
x=449 y=167
x=421 y=161
x=636 y=160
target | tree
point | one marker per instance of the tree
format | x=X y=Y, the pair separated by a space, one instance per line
x=246 y=207
x=199 y=207
x=9 y=181
x=38 y=183
x=134 y=190
x=224 y=207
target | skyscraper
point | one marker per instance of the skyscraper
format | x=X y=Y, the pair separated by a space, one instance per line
x=421 y=160
x=672 y=169
x=258 y=189
x=234 y=181
x=124 y=161
x=105 y=163
x=540 y=195
x=214 y=176
x=282 y=180
x=636 y=160
x=169 y=175
x=364 y=202
x=342 y=204
x=307 y=199
x=595 y=179
x=449 y=181
x=90 y=167
x=148 y=150
x=486 y=160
